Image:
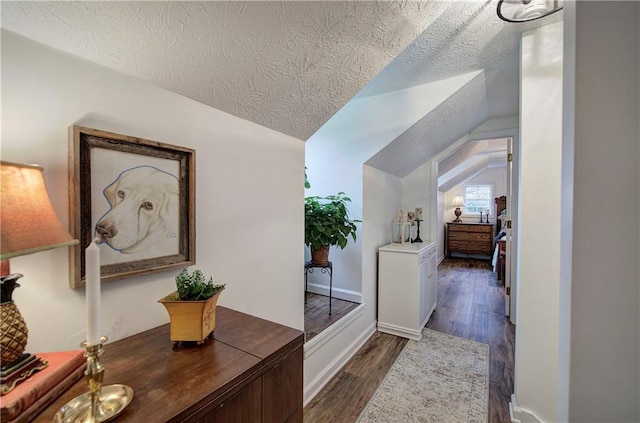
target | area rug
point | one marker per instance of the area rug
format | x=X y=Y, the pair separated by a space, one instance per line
x=441 y=378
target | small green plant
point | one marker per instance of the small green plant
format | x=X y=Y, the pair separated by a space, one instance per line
x=194 y=287
x=327 y=221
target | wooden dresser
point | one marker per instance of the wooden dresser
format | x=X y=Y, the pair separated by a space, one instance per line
x=470 y=238
x=251 y=372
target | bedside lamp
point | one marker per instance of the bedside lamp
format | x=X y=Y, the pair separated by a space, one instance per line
x=28 y=224
x=457 y=203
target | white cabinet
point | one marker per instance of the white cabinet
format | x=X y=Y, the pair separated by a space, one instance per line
x=407 y=288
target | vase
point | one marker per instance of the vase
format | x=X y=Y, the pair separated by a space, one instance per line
x=320 y=256
x=192 y=321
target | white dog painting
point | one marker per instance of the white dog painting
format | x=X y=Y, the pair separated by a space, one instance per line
x=143 y=215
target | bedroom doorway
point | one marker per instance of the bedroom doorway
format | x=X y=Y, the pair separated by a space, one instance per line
x=485 y=161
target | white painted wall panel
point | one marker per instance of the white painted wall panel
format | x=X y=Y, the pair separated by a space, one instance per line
x=416 y=192
x=605 y=312
x=536 y=351
x=495 y=176
x=381 y=199
x=249 y=194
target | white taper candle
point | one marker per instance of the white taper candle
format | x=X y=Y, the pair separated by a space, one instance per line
x=92 y=278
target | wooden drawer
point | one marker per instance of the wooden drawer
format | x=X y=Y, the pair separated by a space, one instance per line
x=282 y=389
x=488 y=229
x=469 y=236
x=479 y=247
x=426 y=254
x=244 y=407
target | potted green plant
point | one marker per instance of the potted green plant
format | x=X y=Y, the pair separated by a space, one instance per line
x=327 y=223
x=192 y=307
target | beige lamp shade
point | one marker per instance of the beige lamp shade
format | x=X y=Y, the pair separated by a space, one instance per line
x=27 y=220
x=458 y=201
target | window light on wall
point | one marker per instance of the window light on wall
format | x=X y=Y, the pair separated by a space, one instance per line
x=477 y=198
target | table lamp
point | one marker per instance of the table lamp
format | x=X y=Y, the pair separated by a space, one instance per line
x=28 y=224
x=457 y=203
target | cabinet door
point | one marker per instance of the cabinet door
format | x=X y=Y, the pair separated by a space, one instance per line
x=244 y=407
x=433 y=282
x=424 y=292
x=282 y=390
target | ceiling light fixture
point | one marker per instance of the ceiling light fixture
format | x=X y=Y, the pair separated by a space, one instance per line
x=527 y=10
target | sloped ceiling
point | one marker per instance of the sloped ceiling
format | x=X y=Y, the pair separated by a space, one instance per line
x=367 y=124
x=466 y=109
x=469 y=160
x=466 y=36
x=286 y=65
x=292 y=65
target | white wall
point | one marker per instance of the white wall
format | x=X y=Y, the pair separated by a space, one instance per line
x=536 y=350
x=381 y=200
x=416 y=192
x=249 y=194
x=495 y=176
x=594 y=360
x=605 y=311
x=330 y=171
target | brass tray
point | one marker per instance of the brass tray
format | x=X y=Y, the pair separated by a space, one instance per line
x=113 y=400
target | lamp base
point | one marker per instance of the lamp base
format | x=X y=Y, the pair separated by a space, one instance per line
x=19 y=370
x=458 y=213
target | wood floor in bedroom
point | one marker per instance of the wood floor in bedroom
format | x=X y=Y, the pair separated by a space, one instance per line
x=470 y=305
x=316 y=313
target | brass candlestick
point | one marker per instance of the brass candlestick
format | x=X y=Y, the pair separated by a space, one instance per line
x=94 y=375
x=101 y=403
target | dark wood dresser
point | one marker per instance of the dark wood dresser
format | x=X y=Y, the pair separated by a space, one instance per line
x=470 y=238
x=251 y=372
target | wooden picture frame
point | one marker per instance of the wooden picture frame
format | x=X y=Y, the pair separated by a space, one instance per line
x=136 y=198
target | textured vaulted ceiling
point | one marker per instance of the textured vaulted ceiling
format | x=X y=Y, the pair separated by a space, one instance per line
x=292 y=65
x=466 y=36
x=286 y=65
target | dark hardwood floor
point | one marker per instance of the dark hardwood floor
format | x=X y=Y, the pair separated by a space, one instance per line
x=316 y=313
x=470 y=305
x=344 y=397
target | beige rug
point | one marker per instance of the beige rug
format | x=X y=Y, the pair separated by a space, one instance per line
x=441 y=378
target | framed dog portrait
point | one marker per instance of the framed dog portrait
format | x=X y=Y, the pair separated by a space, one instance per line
x=135 y=198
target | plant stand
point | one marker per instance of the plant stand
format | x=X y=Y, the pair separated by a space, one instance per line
x=324 y=268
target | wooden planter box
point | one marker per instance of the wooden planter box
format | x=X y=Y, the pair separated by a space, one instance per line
x=190 y=320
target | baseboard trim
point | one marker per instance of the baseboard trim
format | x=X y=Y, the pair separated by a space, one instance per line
x=343 y=294
x=520 y=415
x=313 y=387
x=399 y=331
